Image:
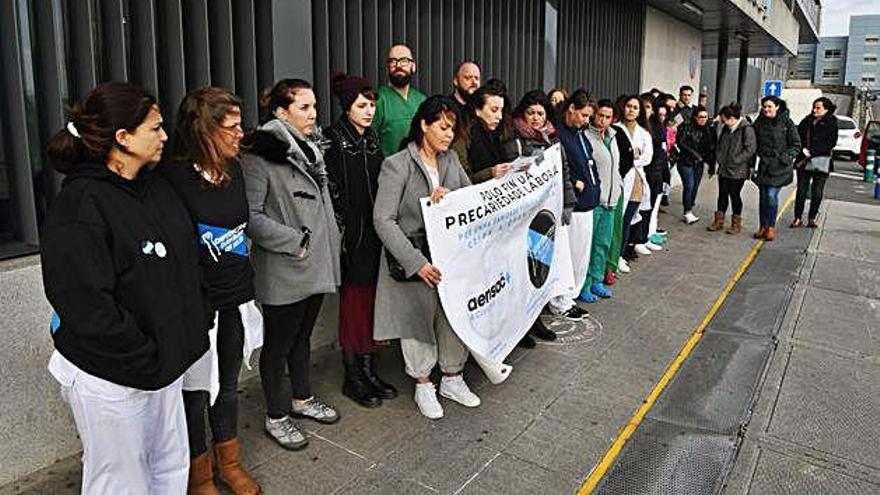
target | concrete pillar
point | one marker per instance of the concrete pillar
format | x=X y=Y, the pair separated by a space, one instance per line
x=721 y=71
x=743 y=70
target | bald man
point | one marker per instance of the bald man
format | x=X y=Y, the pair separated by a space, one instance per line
x=398 y=101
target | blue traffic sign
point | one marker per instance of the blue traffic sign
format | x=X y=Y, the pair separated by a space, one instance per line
x=772 y=88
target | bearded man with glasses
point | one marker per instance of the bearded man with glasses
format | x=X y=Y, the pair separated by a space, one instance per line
x=398 y=101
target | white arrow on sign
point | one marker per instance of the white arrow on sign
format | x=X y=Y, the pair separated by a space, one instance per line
x=773 y=89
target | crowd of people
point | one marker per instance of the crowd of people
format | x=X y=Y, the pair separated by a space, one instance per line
x=166 y=269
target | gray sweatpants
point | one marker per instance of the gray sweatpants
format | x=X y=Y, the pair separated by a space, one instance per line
x=421 y=357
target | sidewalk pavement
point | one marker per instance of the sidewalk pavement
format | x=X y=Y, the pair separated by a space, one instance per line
x=541 y=431
x=816 y=427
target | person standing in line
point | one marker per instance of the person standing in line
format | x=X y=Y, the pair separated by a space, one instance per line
x=353 y=162
x=537 y=133
x=736 y=152
x=295 y=251
x=602 y=138
x=778 y=146
x=204 y=170
x=576 y=114
x=696 y=142
x=636 y=191
x=407 y=304
x=656 y=171
x=120 y=269
x=465 y=80
x=558 y=96
x=488 y=143
x=818 y=134
x=398 y=101
x=684 y=108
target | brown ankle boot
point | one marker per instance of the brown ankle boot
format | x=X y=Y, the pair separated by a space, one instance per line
x=771 y=234
x=201 y=477
x=231 y=471
x=760 y=233
x=718 y=223
x=736 y=224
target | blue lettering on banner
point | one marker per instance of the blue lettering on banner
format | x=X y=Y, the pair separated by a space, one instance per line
x=220 y=240
x=540 y=247
x=55 y=324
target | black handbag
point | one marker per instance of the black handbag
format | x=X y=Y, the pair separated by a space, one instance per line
x=396 y=270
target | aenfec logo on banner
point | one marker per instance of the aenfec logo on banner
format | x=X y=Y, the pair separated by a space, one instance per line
x=494 y=244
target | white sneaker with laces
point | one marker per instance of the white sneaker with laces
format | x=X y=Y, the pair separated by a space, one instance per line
x=426 y=399
x=454 y=388
x=653 y=247
x=623 y=266
x=641 y=250
x=690 y=218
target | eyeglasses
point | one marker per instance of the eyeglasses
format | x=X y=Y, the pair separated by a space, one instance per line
x=402 y=61
x=702 y=116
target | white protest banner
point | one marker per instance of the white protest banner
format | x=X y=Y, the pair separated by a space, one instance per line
x=494 y=244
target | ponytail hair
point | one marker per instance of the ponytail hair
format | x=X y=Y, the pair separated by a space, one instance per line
x=281 y=94
x=90 y=134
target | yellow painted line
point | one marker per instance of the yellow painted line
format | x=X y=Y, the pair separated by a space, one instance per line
x=607 y=461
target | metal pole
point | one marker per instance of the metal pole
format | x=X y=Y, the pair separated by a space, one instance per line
x=743 y=70
x=721 y=72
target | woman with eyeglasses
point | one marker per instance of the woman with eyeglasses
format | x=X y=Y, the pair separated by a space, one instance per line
x=295 y=251
x=204 y=170
x=696 y=143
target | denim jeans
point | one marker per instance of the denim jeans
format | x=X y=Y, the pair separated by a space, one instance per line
x=690 y=183
x=768 y=205
x=223 y=415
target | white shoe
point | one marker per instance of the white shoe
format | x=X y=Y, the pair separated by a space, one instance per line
x=653 y=247
x=454 y=388
x=641 y=250
x=690 y=218
x=623 y=266
x=426 y=399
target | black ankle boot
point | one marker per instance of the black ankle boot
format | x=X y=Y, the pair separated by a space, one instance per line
x=379 y=386
x=356 y=387
x=541 y=331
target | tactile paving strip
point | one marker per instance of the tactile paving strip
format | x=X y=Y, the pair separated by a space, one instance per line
x=664 y=458
x=715 y=387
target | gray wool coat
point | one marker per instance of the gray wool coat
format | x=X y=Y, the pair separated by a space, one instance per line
x=406 y=310
x=283 y=197
x=736 y=151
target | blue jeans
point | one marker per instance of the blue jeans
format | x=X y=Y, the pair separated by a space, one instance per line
x=768 y=205
x=690 y=183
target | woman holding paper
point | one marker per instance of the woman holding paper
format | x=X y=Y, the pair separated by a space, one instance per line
x=204 y=170
x=407 y=304
x=818 y=133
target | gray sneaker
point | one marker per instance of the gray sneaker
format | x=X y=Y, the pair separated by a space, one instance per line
x=286 y=433
x=317 y=410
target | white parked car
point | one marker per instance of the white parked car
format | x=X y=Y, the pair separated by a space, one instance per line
x=849 y=138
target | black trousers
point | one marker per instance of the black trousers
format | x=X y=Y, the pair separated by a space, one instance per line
x=813 y=182
x=223 y=415
x=287 y=342
x=729 y=192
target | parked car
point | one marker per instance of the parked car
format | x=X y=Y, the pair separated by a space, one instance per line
x=871 y=140
x=849 y=138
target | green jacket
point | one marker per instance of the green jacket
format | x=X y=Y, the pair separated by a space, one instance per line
x=778 y=146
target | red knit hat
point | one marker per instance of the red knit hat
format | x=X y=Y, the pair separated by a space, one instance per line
x=347 y=88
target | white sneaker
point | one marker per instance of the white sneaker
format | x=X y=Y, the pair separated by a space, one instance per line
x=641 y=250
x=690 y=218
x=426 y=399
x=454 y=388
x=653 y=247
x=623 y=266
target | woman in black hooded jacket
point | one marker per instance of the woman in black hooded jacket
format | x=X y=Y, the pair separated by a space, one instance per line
x=818 y=133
